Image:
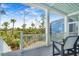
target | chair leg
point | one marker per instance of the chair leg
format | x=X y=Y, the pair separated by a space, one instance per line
x=75 y=52
x=53 y=49
x=68 y=51
x=62 y=51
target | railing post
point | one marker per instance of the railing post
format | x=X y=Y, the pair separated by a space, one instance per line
x=21 y=41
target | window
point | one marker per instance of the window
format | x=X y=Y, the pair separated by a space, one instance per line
x=73 y=27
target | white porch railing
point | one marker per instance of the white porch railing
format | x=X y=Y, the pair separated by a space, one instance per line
x=73 y=34
x=29 y=37
x=31 y=40
x=57 y=36
x=60 y=36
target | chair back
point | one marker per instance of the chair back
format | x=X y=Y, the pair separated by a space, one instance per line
x=70 y=41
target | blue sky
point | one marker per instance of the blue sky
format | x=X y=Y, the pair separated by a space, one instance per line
x=16 y=11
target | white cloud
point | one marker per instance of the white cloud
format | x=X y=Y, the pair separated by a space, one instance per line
x=4 y=6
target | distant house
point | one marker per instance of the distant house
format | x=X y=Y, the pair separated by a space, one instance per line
x=57 y=26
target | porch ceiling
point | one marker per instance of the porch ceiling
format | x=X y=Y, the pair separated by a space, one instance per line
x=66 y=8
x=61 y=8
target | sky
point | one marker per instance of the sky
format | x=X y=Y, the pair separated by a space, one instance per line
x=18 y=10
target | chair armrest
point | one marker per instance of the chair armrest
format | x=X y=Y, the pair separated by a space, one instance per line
x=58 y=42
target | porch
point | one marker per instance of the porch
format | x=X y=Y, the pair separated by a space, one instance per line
x=70 y=12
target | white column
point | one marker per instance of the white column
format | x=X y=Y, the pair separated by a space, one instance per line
x=78 y=24
x=47 y=20
x=66 y=26
x=21 y=41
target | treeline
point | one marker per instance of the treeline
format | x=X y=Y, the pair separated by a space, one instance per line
x=12 y=36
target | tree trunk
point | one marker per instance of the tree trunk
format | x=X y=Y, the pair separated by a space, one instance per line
x=13 y=29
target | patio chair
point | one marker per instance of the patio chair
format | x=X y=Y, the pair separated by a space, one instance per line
x=66 y=47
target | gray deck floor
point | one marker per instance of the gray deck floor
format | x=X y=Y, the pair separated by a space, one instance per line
x=40 y=51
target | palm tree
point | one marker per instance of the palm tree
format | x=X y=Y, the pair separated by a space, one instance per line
x=13 y=21
x=24 y=26
x=42 y=19
x=32 y=25
x=2 y=12
x=5 y=24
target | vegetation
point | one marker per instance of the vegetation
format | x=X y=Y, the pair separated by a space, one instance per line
x=5 y=25
x=24 y=26
x=12 y=35
x=33 y=25
x=13 y=21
